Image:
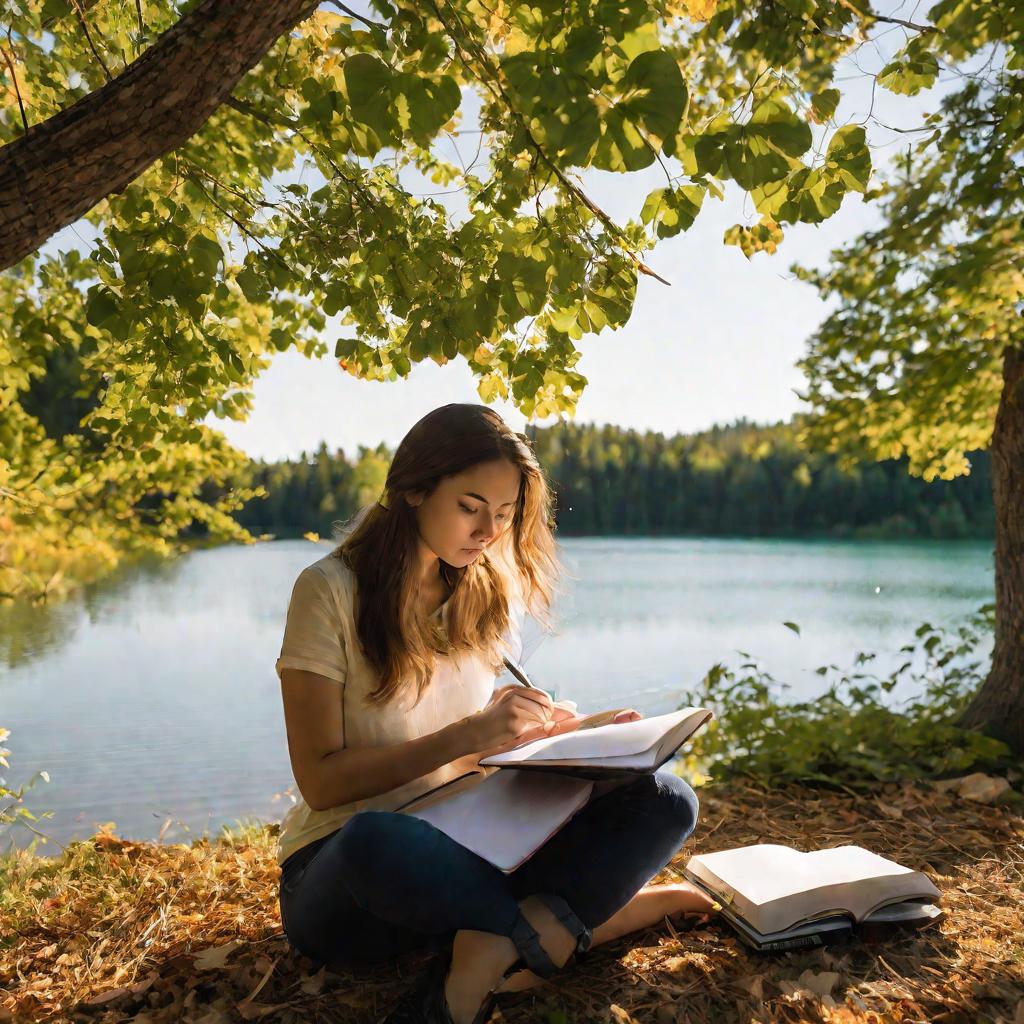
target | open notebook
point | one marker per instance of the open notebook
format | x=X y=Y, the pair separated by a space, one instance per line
x=773 y=888
x=628 y=748
x=504 y=813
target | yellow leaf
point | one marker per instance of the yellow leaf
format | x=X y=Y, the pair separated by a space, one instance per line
x=701 y=10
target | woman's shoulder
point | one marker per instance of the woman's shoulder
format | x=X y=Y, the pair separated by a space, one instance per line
x=331 y=575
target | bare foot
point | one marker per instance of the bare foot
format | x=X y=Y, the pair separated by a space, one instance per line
x=650 y=905
x=690 y=899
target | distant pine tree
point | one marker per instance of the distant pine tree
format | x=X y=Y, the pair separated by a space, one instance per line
x=741 y=480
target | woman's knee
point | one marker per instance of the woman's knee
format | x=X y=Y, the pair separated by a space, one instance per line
x=672 y=800
x=680 y=801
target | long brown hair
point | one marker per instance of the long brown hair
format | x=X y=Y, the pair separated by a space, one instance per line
x=382 y=551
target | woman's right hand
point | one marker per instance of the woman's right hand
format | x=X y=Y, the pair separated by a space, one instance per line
x=511 y=712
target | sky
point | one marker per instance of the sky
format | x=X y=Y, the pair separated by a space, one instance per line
x=719 y=344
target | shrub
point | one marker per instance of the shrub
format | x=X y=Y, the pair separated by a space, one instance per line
x=858 y=732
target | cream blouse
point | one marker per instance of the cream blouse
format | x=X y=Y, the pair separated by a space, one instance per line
x=320 y=636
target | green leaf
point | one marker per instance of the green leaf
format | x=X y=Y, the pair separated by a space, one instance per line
x=823 y=105
x=909 y=75
x=367 y=82
x=102 y=304
x=763 y=150
x=673 y=209
x=775 y=121
x=764 y=236
x=431 y=102
x=636 y=128
x=848 y=153
x=253 y=284
x=658 y=94
x=205 y=254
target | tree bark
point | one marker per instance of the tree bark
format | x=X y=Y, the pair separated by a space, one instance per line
x=998 y=707
x=62 y=167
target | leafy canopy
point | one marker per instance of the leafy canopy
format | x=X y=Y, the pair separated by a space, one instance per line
x=910 y=361
x=289 y=221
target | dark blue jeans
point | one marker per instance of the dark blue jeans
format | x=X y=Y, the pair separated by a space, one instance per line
x=386 y=883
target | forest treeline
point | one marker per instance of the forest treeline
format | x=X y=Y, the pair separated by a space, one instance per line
x=738 y=480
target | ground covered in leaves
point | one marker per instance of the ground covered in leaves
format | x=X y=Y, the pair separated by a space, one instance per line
x=152 y=934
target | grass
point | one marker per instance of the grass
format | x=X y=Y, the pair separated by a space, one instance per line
x=122 y=931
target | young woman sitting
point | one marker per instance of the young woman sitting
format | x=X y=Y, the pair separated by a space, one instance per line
x=391 y=649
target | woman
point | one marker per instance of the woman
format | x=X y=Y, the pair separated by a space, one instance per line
x=392 y=645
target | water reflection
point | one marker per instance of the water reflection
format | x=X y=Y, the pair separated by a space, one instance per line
x=153 y=696
x=29 y=631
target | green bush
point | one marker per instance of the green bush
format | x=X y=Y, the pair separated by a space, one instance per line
x=12 y=801
x=855 y=734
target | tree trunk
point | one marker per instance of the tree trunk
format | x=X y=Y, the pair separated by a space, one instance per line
x=64 y=166
x=998 y=707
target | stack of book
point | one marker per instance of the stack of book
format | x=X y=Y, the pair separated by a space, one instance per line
x=777 y=898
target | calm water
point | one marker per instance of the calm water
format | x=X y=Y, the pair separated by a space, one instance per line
x=153 y=703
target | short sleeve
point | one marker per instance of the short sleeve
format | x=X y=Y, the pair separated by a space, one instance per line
x=314 y=639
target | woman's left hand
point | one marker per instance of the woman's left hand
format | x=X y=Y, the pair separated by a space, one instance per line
x=564 y=718
x=629 y=715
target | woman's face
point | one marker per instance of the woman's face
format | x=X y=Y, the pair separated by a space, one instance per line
x=469 y=511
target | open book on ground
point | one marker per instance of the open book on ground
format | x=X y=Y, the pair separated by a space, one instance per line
x=627 y=748
x=773 y=890
x=504 y=813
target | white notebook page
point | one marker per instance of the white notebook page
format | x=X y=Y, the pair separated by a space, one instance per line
x=604 y=741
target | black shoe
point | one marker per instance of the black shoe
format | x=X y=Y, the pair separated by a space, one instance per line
x=425 y=1003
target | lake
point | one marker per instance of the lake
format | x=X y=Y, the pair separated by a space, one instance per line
x=152 y=702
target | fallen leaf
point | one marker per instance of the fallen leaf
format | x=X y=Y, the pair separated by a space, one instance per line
x=214 y=957
x=674 y=963
x=982 y=788
x=753 y=985
x=106 y=997
x=820 y=984
x=313 y=984
x=621 y=1016
x=270 y=965
x=141 y=986
x=253 y=1011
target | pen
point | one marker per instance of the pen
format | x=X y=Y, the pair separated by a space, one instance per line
x=519 y=674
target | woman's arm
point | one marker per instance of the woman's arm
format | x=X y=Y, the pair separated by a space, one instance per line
x=329 y=774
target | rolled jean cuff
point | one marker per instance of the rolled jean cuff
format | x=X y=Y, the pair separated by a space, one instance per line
x=526 y=940
x=583 y=935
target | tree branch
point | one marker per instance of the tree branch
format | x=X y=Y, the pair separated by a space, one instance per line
x=490 y=78
x=80 y=14
x=62 y=167
x=14 y=79
x=871 y=16
x=358 y=17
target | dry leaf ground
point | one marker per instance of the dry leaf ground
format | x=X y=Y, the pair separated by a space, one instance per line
x=120 y=931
